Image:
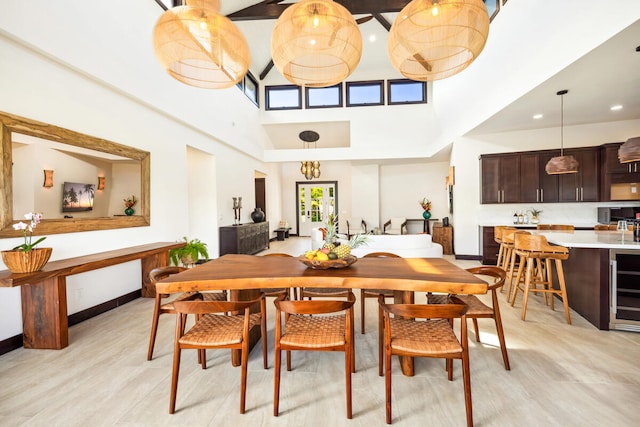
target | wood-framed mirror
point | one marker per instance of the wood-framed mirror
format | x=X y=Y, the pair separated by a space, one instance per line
x=29 y=147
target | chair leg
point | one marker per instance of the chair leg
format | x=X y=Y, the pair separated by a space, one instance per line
x=263 y=331
x=563 y=290
x=174 y=379
x=387 y=382
x=500 y=331
x=288 y=360
x=509 y=268
x=362 y=311
x=348 y=361
x=516 y=286
x=154 y=328
x=527 y=284
x=380 y=342
x=243 y=375
x=276 y=381
x=475 y=329
x=550 y=283
x=467 y=388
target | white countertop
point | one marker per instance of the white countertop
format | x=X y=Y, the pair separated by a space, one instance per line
x=590 y=239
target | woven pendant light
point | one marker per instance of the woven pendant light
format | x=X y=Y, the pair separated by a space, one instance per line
x=561 y=164
x=630 y=150
x=200 y=47
x=316 y=43
x=435 y=39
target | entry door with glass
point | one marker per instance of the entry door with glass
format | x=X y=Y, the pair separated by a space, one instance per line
x=316 y=201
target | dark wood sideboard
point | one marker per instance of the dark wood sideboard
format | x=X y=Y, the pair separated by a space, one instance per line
x=247 y=239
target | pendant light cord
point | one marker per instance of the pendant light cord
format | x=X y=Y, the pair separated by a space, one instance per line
x=562 y=93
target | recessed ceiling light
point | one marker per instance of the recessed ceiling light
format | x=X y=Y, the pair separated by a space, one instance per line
x=537 y=116
x=616 y=108
x=372 y=38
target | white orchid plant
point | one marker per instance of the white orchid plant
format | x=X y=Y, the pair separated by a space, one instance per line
x=27 y=231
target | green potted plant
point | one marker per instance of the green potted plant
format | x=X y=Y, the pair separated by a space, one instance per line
x=535 y=215
x=190 y=253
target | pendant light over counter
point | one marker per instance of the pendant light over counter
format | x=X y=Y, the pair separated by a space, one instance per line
x=316 y=43
x=435 y=39
x=200 y=47
x=630 y=151
x=562 y=164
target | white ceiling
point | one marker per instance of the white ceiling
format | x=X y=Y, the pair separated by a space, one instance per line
x=608 y=75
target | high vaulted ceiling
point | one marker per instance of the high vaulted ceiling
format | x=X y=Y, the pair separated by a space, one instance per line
x=608 y=75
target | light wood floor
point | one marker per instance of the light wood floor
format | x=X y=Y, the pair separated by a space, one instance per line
x=561 y=376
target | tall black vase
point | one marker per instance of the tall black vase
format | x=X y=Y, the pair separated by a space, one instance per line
x=257 y=215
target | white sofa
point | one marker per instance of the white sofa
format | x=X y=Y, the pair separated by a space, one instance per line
x=406 y=245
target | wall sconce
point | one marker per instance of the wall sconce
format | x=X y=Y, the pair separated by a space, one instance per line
x=48 y=178
x=101 y=183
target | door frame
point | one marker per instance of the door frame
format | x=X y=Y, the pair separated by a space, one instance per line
x=319 y=183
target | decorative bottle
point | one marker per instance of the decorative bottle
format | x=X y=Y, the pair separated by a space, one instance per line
x=515 y=217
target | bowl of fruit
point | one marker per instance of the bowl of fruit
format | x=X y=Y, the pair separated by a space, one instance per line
x=323 y=259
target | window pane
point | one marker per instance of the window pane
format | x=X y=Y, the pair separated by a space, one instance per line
x=318 y=97
x=406 y=92
x=283 y=97
x=364 y=93
x=251 y=89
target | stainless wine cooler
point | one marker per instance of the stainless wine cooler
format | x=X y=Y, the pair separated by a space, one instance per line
x=625 y=290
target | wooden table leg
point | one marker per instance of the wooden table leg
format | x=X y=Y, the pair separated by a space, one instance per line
x=44 y=314
x=254 y=333
x=406 y=362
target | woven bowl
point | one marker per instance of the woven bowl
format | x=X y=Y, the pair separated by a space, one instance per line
x=332 y=263
x=26 y=262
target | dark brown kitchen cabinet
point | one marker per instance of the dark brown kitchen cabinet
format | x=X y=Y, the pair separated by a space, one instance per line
x=619 y=180
x=583 y=186
x=612 y=163
x=536 y=186
x=500 y=178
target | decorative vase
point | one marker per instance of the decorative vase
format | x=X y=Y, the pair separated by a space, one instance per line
x=535 y=220
x=26 y=262
x=129 y=211
x=426 y=214
x=257 y=215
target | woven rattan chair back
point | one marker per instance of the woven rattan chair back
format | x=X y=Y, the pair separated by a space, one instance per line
x=433 y=337
x=314 y=326
x=216 y=329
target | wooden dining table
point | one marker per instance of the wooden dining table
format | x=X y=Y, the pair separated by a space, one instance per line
x=243 y=275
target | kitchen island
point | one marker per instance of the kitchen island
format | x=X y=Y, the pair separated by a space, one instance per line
x=602 y=276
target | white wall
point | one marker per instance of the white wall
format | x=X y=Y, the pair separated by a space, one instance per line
x=469 y=213
x=94 y=88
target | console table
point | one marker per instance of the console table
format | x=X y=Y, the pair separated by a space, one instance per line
x=44 y=292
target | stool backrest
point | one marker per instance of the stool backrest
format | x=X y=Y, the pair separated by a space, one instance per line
x=539 y=245
x=508 y=235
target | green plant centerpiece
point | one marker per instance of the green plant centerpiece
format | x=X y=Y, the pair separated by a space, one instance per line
x=190 y=253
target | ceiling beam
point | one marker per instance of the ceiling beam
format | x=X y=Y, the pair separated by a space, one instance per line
x=383 y=21
x=271 y=9
x=266 y=70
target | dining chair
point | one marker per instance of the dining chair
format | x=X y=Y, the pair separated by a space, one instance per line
x=373 y=293
x=432 y=337
x=324 y=330
x=167 y=307
x=275 y=292
x=478 y=309
x=215 y=329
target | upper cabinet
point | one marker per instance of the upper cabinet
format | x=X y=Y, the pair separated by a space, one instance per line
x=619 y=181
x=500 y=176
x=521 y=177
x=583 y=186
x=536 y=185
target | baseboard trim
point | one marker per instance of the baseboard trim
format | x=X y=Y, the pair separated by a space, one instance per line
x=469 y=257
x=15 y=342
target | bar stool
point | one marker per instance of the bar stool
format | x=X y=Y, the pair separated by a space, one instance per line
x=509 y=255
x=497 y=237
x=531 y=248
